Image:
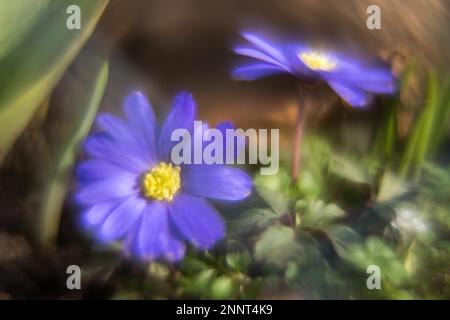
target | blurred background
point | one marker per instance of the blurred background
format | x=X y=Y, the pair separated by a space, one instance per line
x=374 y=185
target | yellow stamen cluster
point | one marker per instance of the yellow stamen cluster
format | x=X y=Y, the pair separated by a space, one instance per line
x=161 y=182
x=317 y=61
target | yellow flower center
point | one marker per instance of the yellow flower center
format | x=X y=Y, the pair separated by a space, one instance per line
x=317 y=61
x=161 y=182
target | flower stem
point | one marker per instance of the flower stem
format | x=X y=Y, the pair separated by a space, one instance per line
x=298 y=134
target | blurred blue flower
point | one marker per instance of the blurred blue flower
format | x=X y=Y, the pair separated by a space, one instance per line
x=131 y=191
x=351 y=79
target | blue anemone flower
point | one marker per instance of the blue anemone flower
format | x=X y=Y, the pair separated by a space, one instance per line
x=131 y=191
x=352 y=80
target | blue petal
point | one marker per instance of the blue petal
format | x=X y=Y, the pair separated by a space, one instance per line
x=256 y=54
x=122 y=218
x=95 y=215
x=353 y=96
x=376 y=81
x=182 y=116
x=142 y=121
x=263 y=45
x=255 y=71
x=155 y=236
x=95 y=170
x=109 y=150
x=122 y=134
x=196 y=220
x=216 y=182
x=108 y=189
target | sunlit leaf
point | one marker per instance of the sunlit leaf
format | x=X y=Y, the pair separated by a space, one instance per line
x=318 y=214
x=17 y=18
x=274 y=190
x=201 y=282
x=376 y=252
x=30 y=71
x=223 y=288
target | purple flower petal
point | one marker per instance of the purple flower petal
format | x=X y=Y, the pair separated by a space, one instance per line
x=95 y=170
x=182 y=116
x=255 y=71
x=122 y=218
x=155 y=237
x=353 y=96
x=196 y=220
x=258 y=55
x=93 y=216
x=142 y=121
x=108 y=189
x=264 y=45
x=376 y=80
x=115 y=127
x=122 y=134
x=106 y=149
x=216 y=182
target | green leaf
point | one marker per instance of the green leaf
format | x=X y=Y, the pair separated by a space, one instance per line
x=385 y=141
x=317 y=152
x=310 y=185
x=238 y=260
x=342 y=237
x=191 y=263
x=390 y=187
x=17 y=18
x=252 y=220
x=201 y=282
x=318 y=214
x=273 y=189
x=442 y=116
x=376 y=252
x=420 y=141
x=29 y=72
x=277 y=246
x=87 y=105
x=349 y=169
x=223 y=288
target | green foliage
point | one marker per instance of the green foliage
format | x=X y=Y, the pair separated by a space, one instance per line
x=375 y=252
x=350 y=214
x=427 y=131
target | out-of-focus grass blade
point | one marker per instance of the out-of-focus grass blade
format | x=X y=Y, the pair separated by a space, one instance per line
x=29 y=72
x=386 y=140
x=16 y=20
x=429 y=120
x=386 y=137
x=55 y=191
x=419 y=143
x=440 y=125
